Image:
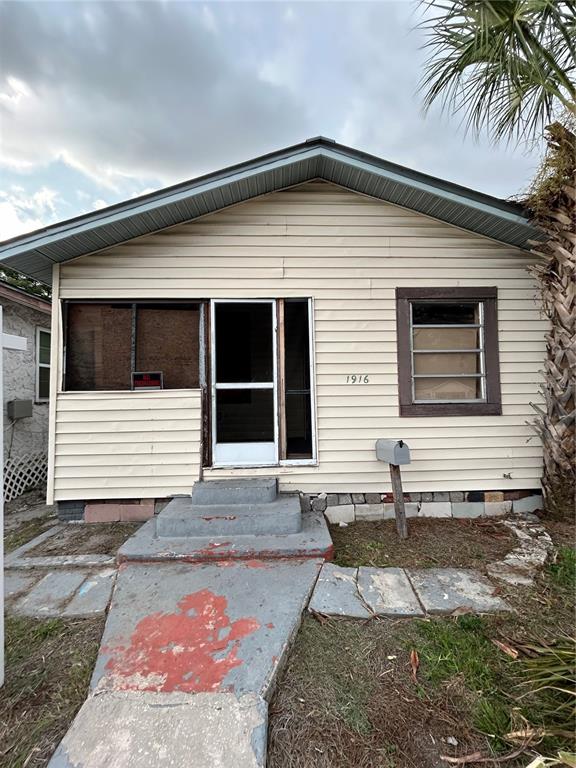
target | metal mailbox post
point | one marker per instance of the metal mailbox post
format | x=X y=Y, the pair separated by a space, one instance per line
x=396 y=453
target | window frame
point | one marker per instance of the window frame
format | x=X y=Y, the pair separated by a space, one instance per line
x=65 y=303
x=39 y=365
x=488 y=297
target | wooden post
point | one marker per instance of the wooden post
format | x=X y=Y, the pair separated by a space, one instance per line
x=399 y=511
x=281 y=362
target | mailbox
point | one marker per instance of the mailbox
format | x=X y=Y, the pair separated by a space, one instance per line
x=393 y=451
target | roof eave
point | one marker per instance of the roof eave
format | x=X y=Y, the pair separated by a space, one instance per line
x=35 y=252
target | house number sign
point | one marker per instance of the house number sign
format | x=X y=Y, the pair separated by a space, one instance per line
x=357 y=378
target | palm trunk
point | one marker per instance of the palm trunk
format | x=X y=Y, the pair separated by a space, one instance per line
x=554 y=207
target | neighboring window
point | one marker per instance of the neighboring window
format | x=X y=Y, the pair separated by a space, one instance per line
x=448 y=351
x=42 y=364
x=106 y=343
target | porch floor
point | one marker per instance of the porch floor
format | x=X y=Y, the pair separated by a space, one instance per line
x=313 y=541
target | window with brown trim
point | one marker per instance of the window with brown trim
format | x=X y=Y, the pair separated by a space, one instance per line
x=448 y=351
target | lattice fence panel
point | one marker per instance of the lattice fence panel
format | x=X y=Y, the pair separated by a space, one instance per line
x=22 y=473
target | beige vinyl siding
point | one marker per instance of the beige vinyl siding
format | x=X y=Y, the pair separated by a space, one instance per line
x=349 y=253
x=126 y=444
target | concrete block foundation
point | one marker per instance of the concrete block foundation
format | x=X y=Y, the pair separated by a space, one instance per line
x=434 y=504
x=119 y=512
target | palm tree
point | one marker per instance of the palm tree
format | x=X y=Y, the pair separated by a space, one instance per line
x=507 y=66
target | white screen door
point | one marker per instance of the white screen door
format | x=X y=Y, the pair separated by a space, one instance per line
x=244 y=397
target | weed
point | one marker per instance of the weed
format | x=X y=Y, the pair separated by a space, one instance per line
x=548 y=674
x=563 y=569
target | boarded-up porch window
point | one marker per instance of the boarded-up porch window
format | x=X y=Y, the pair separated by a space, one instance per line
x=106 y=343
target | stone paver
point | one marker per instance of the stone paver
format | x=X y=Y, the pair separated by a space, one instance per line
x=23 y=557
x=336 y=593
x=63 y=561
x=445 y=590
x=520 y=566
x=49 y=595
x=16 y=582
x=204 y=627
x=16 y=554
x=147 y=730
x=388 y=592
x=93 y=596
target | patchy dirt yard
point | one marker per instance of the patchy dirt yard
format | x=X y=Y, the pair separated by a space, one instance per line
x=403 y=694
x=431 y=543
x=26 y=531
x=48 y=668
x=26 y=517
x=88 y=539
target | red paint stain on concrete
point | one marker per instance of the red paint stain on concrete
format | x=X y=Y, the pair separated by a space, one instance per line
x=255 y=564
x=270 y=625
x=213 y=548
x=191 y=650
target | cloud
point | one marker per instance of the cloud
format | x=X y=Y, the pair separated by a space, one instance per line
x=131 y=96
x=20 y=212
x=134 y=89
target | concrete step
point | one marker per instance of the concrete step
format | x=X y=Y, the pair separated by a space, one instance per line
x=183 y=517
x=313 y=541
x=244 y=490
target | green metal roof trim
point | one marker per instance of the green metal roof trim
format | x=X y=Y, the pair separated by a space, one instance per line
x=34 y=253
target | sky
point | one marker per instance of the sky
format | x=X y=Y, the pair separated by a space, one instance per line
x=103 y=101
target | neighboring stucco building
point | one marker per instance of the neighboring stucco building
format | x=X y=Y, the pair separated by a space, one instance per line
x=277 y=318
x=26 y=378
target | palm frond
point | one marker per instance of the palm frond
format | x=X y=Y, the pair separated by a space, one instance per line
x=507 y=66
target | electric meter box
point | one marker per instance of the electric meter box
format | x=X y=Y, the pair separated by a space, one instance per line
x=19 y=409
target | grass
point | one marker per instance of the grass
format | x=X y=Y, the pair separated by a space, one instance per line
x=25 y=532
x=457 y=647
x=563 y=568
x=348 y=690
x=48 y=668
x=348 y=698
x=461 y=648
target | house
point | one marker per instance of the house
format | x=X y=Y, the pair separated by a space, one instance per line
x=26 y=389
x=279 y=316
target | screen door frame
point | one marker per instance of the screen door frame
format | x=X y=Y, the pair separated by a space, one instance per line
x=244 y=454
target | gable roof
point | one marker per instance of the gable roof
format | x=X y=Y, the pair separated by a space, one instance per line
x=34 y=253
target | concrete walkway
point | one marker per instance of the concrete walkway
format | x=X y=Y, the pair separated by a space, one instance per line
x=59 y=592
x=362 y=593
x=187 y=663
